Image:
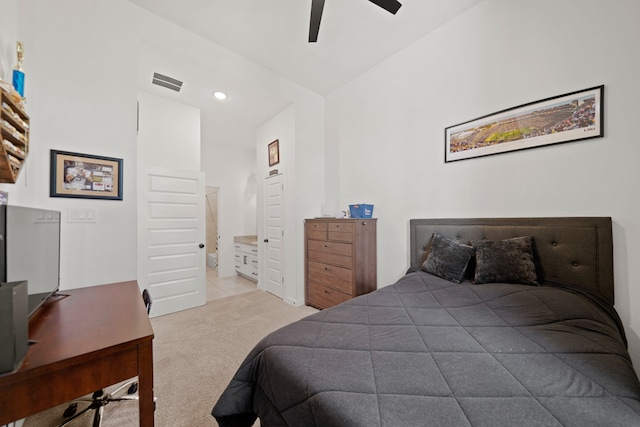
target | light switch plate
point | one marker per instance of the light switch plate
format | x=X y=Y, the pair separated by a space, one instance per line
x=83 y=215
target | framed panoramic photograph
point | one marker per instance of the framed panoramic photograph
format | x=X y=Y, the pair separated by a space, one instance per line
x=563 y=118
x=85 y=176
x=274 y=153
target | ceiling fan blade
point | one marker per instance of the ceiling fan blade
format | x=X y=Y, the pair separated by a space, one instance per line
x=391 y=6
x=316 y=15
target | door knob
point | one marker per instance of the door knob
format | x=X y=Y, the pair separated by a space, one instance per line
x=266 y=240
x=201 y=245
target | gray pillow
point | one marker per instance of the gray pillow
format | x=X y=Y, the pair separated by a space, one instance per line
x=425 y=253
x=505 y=261
x=447 y=258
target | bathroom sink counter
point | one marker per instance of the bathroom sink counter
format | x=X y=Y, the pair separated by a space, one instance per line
x=247 y=240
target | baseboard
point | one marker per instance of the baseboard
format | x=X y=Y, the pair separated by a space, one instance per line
x=294 y=302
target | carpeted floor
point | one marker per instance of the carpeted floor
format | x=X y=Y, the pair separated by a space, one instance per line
x=196 y=352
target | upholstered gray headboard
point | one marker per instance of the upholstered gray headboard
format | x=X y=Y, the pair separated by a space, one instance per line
x=575 y=251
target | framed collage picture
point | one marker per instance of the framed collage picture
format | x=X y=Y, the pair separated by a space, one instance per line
x=85 y=176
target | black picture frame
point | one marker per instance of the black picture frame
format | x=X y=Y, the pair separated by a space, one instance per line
x=564 y=118
x=274 y=153
x=85 y=176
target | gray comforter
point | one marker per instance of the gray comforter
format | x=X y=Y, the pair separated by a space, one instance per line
x=428 y=352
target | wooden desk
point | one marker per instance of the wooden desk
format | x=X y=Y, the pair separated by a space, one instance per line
x=94 y=338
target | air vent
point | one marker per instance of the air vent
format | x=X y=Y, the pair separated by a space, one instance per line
x=166 y=81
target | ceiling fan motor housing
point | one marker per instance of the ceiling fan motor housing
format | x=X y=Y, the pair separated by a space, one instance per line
x=317 y=6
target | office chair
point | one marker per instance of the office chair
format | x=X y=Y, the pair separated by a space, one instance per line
x=100 y=398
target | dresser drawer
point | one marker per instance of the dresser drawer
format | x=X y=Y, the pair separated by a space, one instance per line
x=335 y=277
x=330 y=258
x=316 y=230
x=340 y=231
x=324 y=296
x=254 y=266
x=330 y=247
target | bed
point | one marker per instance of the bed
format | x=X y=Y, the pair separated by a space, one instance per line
x=427 y=350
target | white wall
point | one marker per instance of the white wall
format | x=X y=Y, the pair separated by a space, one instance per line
x=169 y=133
x=81 y=97
x=81 y=89
x=282 y=127
x=8 y=37
x=300 y=129
x=390 y=126
x=224 y=162
x=307 y=180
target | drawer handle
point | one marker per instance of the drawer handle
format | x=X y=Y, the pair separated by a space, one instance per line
x=327 y=269
x=327 y=292
x=327 y=246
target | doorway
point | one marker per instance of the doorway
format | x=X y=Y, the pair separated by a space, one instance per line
x=212 y=200
x=171 y=234
x=219 y=287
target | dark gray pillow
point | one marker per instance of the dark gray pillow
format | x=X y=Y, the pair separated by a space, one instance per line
x=448 y=258
x=505 y=261
x=425 y=253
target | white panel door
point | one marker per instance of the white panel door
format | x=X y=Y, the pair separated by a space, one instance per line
x=171 y=235
x=275 y=234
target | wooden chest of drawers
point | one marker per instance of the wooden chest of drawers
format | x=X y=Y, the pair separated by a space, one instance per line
x=340 y=260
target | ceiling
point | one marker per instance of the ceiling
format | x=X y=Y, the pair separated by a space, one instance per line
x=355 y=35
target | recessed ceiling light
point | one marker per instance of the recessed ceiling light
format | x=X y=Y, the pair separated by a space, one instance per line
x=220 y=95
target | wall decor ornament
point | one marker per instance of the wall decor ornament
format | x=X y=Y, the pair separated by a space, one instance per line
x=274 y=153
x=18 y=72
x=85 y=176
x=569 y=117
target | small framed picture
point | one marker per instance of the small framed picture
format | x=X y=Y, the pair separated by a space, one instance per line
x=85 y=176
x=274 y=153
